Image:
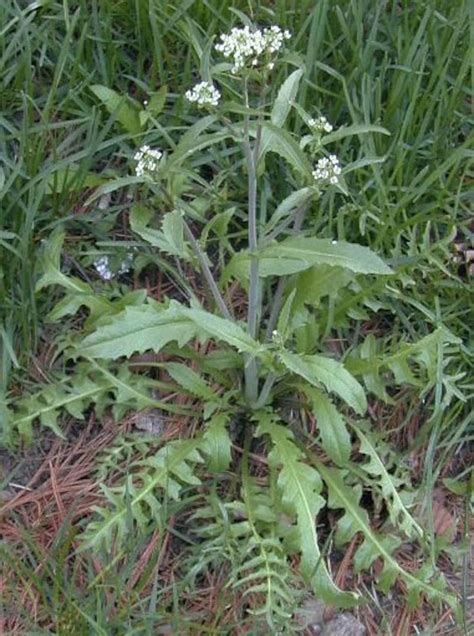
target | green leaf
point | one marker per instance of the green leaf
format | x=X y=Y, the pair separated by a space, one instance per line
x=294 y=201
x=169 y=239
x=120 y=107
x=156 y=101
x=51 y=265
x=425 y=353
x=113 y=186
x=362 y=163
x=167 y=469
x=190 y=380
x=319 y=281
x=139 y=329
x=223 y=329
x=279 y=141
x=335 y=437
x=331 y=373
x=297 y=254
x=47 y=403
x=300 y=486
x=285 y=98
x=217 y=444
x=459 y=487
x=148 y=327
x=375 y=545
x=391 y=488
x=337 y=379
x=356 y=129
x=283 y=144
x=194 y=141
x=284 y=318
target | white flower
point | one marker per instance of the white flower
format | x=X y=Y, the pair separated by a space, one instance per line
x=204 y=93
x=147 y=161
x=245 y=46
x=320 y=124
x=327 y=170
x=102 y=266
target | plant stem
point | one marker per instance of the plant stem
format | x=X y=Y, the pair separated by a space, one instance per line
x=207 y=272
x=276 y=307
x=251 y=367
x=265 y=392
x=278 y=296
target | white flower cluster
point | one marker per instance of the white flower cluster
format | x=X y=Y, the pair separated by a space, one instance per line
x=320 y=124
x=246 y=46
x=327 y=170
x=147 y=161
x=205 y=94
x=102 y=266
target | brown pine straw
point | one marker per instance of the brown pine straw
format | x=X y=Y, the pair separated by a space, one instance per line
x=64 y=481
x=63 y=489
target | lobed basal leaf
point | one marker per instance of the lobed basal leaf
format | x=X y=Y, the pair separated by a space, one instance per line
x=375 y=545
x=300 y=486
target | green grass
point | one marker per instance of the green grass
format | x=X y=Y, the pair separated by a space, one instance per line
x=404 y=66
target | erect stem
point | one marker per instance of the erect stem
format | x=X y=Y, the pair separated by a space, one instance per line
x=278 y=295
x=251 y=156
x=277 y=303
x=207 y=272
x=276 y=307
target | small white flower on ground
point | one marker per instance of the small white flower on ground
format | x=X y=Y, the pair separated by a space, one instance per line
x=245 y=47
x=147 y=161
x=327 y=170
x=103 y=268
x=320 y=124
x=204 y=94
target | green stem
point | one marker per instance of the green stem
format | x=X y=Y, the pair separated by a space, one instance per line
x=267 y=387
x=207 y=272
x=251 y=156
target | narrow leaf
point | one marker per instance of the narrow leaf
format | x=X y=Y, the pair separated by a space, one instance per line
x=217 y=444
x=287 y=206
x=331 y=373
x=391 y=488
x=190 y=380
x=120 y=107
x=342 y=496
x=349 y=131
x=286 y=96
x=335 y=437
x=300 y=486
x=275 y=139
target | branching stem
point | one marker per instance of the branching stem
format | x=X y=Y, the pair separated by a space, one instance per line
x=207 y=272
